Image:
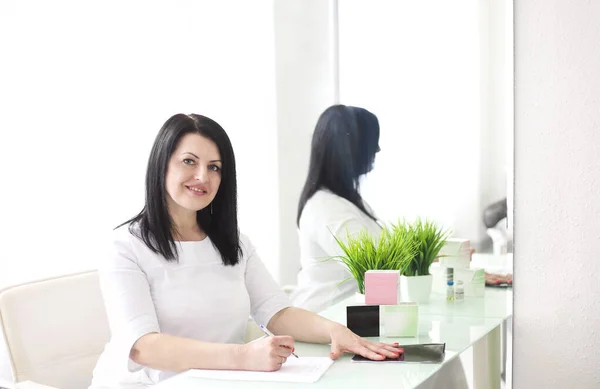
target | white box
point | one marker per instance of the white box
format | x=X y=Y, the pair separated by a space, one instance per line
x=473 y=281
x=456 y=253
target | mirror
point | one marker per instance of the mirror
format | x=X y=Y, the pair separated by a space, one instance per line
x=440 y=83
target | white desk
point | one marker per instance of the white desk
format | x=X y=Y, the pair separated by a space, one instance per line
x=497 y=303
x=475 y=323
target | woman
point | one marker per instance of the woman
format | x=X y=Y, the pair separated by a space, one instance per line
x=180 y=281
x=343 y=149
x=344 y=145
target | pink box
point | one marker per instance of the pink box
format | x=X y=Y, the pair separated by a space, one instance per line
x=382 y=287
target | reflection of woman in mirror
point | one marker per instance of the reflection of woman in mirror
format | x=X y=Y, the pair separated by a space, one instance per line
x=344 y=145
x=179 y=280
x=343 y=149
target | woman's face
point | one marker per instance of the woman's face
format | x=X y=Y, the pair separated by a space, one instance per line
x=194 y=173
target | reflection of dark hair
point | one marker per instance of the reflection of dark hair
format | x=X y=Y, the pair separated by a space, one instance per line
x=155 y=223
x=495 y=212
x=343 y=148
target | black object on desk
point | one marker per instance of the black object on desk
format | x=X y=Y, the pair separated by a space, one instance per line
x=502 y=286
x=363 y=320
x=416 y=353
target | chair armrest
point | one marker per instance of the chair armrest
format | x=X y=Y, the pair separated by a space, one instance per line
x=32 y=385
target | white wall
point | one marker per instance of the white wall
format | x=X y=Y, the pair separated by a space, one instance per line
x=434 y=73
x=85 y=87
x=305 y=87
x=557 y=194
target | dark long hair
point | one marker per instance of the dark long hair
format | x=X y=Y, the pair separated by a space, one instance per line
x=219 y=223
x=343 y=148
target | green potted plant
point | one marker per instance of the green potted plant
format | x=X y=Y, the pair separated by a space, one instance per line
x=428 y=238
x=390 y=251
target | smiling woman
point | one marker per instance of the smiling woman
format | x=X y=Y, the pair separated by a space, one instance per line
x=180 y=281
x=192 y=159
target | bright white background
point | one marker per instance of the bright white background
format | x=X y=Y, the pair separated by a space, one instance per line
x=86 y=87
x=438 y=74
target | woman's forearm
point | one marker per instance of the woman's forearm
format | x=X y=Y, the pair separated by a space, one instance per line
x=302 y=325
x=171 y=353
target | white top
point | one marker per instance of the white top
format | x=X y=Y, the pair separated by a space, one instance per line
x=197 y=297
x=319 y=280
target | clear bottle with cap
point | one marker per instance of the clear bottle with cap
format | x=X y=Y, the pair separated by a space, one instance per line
x=459 y=292
x=450 y=291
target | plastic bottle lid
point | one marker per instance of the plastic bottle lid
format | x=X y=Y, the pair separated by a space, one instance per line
x=450 y=283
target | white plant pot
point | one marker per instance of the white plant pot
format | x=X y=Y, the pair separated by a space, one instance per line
x=416 y=289
x=359 y=298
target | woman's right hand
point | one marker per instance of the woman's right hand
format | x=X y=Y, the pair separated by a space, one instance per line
x=266 y=354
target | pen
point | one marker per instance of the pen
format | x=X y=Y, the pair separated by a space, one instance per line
x=269 y=333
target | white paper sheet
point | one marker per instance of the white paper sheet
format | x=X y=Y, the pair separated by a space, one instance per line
x=303 y=369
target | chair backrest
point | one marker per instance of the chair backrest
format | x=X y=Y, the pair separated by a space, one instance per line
x=55 y=329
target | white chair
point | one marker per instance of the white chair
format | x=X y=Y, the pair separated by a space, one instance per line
x=55 y=330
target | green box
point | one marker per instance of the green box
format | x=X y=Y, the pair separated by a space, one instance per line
x=399 y=321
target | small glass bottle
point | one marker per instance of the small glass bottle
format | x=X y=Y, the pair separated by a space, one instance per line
x=450 y=291
x=459 y=292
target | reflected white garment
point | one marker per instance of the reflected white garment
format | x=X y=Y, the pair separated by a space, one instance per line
x=196 y=297
x=319 y=280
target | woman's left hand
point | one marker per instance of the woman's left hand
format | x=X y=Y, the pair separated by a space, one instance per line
x=345 y=341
